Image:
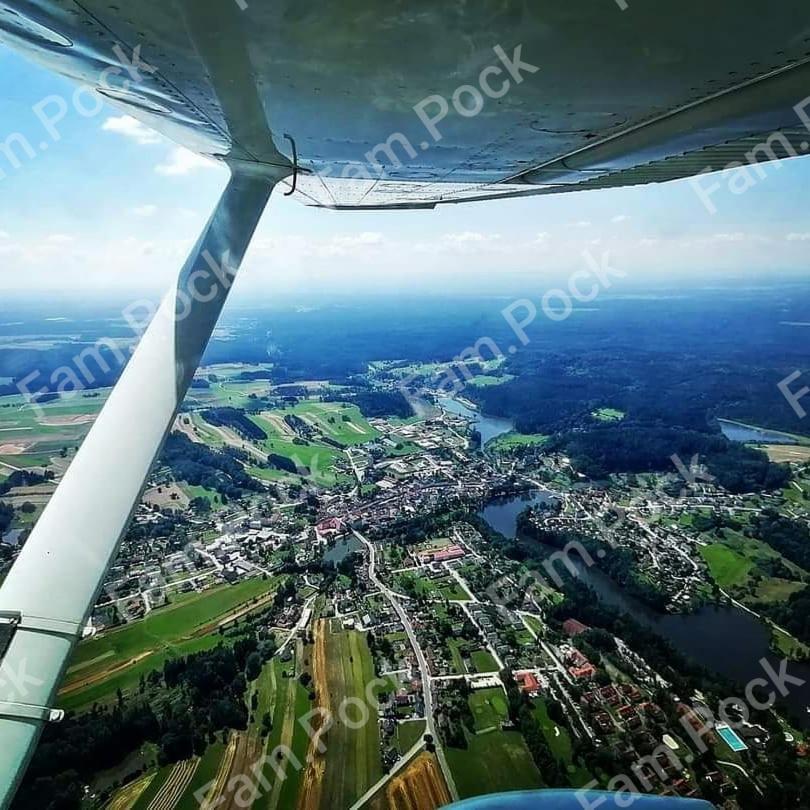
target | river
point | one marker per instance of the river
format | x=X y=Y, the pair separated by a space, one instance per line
x=490 y=427
x=722 y=638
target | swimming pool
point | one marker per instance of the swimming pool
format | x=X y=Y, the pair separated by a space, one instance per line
x=731 y=737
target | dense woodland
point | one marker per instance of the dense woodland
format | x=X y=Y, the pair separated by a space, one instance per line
x=236 y=419
x=200 y=466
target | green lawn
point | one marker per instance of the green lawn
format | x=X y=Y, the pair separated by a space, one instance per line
x=489 y=708
x=409 y=733
x=493 y=763
x=482 y=661
x=559 y=741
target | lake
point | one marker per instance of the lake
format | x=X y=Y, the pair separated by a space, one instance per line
x=737 y=432
x=490 y=427
x=722 y=638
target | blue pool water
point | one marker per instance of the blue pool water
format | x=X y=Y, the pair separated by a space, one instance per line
x=730 y=736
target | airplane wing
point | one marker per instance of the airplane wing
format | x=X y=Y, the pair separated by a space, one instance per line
x=362 y=105
x=425 y=103
x=577 y=800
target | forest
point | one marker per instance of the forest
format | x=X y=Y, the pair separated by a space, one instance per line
x=201 y=466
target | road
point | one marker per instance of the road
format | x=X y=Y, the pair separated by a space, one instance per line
x=424 y=670
x=306 y=613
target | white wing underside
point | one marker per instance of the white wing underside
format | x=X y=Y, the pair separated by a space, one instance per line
x=659 y=91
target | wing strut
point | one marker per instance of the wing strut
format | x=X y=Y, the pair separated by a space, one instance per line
x=49 y=594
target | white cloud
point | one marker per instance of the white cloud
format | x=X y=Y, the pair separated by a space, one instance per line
x=144 y=210
x=131 y=128
x=4 y=235
x=798 y=237
x=619 y=218
x=183 y=161
x=60 y=239
x=737 y=236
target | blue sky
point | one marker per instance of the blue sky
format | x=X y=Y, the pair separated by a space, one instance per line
x=111 y=206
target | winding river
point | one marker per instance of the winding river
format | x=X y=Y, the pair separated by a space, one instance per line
x=723 y=638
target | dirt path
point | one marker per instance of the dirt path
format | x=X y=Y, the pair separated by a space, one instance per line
x=221 y=781
x=309 y=797
x=211 y=627
x=83 y=683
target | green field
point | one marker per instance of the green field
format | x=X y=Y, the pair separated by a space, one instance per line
x=493 y=763
x=727 y=567
x=489 y=708
x=559 y=741
x=608 y=415
x=318 y=458
x=349 y=668
x=338 y=421
x=510 y=441
x=487 y=380
x=171 y=630
x=742 y=566
x=482 y=661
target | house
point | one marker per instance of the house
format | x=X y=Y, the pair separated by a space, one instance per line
x=528 y=683
x=329 y=527
x=572 y=627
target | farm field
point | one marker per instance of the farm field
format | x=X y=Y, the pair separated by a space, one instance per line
x=206 y=771
x=339 y=421
x=155 y=786
x=419 y=785
x=116 y=659
x=31 y=436
x=342 y=667
x=493 y=763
